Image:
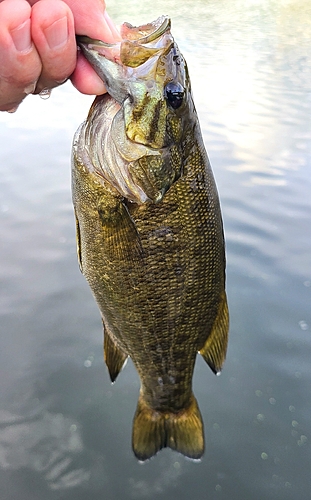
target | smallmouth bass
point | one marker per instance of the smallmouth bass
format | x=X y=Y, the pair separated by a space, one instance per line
x=149 y=231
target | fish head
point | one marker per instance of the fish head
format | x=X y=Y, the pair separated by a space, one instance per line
x=147 y=76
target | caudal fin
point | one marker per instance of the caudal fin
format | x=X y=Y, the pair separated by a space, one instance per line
x=154 y=430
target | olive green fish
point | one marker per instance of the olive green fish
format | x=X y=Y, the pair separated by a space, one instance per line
x=149 y=231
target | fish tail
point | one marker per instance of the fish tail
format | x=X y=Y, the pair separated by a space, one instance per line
x=154 y=430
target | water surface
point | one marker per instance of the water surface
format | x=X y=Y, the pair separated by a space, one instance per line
x=65 y=432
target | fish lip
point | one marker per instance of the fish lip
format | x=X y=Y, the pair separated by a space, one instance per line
x=86 y=40
x=162 y=24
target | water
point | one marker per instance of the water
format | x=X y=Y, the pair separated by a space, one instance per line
x=65 y=431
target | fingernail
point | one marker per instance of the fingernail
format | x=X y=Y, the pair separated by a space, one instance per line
x=12 y=110
x=21 y=37
x=57 y=34
x=30 y=88
x=60 y=82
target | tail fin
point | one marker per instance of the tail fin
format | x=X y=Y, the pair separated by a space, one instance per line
x=154 y=430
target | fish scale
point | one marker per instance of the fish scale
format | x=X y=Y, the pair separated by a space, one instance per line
x=155 y=264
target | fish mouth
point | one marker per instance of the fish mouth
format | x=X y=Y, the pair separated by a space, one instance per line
x=137 y=44
x=135 y=70
x=115 y=63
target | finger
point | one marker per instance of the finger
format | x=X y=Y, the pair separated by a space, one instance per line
x=114 y=31
x=91 y=19
x=53 y=34
x=20 y=64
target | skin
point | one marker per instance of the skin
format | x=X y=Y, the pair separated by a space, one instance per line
x=38 y=47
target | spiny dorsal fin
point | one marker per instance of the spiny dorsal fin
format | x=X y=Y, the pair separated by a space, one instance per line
x=154 y=430
x=215 y=348
x=114 y=357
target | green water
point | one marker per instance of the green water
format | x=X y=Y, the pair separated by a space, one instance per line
x=65 y=432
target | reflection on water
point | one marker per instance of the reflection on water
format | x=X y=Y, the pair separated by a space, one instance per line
x=47 y=444
x=64 y=430
x=52 y=446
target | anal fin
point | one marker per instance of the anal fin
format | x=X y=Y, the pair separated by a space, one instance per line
x=113 y=356
x=154 y=430
x=215 y=347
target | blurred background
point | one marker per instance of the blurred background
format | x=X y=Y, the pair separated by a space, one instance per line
x=65 y=432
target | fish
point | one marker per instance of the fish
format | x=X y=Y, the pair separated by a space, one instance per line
x=150 y=237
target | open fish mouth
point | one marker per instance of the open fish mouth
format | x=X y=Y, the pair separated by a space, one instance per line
x=133 y=69
x=136 y=46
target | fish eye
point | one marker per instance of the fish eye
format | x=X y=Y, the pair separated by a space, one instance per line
x=174 y=94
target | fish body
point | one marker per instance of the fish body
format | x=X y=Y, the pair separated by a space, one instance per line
x=149 y=232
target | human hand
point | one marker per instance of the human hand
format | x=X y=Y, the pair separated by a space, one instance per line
x=38 y=48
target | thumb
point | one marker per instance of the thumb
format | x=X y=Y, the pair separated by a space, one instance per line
x=91 y=19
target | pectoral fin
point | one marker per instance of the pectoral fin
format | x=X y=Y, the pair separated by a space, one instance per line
x=114 y=357
x=215 y=347
x=120 y=236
